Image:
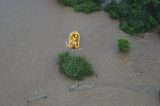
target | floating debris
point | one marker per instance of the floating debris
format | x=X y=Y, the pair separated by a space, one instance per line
x=96 y=75
x=73 y=87
x=34 y=98
x=78 y=87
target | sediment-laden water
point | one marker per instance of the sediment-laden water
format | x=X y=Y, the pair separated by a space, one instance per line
x=33 y=32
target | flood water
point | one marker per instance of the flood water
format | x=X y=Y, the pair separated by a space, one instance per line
x=34 y=32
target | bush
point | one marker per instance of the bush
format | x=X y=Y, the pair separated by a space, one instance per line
x=87 y=1
x=86 y=6
x=124 y=45
x=74 y=67
x=152 y=21
x=125 y=27
x=112 y=6
x=158 y=17
x=135 y=15
x=113 y=14
x=158 y=29
x=69 y=3
x=136 y=25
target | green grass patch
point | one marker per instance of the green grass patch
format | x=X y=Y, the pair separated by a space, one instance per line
x=86 y=6
x=124 y=45
x=74 y=67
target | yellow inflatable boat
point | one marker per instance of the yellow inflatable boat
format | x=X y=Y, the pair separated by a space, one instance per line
x=74 y=40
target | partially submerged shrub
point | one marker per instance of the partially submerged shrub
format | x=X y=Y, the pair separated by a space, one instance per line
x=74 y=67
x=113 y=14
x=124 y=44
x=86 y=6
x=69 y=3
x=135 y=15
x=125 y=27
x=158 y=29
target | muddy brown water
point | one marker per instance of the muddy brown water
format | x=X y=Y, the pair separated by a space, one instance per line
x=33 y=32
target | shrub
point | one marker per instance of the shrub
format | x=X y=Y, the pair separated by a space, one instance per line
x=87 y=1
x=158 y=29
x=69 y=3
x=137 y=25
x=113 y=14
x=152 y=21
x=158 y=17
x=124 y=45
x=135 y=15
x=124 y=25
x=74 y=67
x=86 y=6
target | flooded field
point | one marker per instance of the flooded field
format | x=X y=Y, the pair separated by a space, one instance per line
x=33 y=32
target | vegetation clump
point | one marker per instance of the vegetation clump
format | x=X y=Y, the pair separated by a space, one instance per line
x=158 y=29
x=124 y=44
x=86 y=6
x=135 y=15
x=74 y=67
